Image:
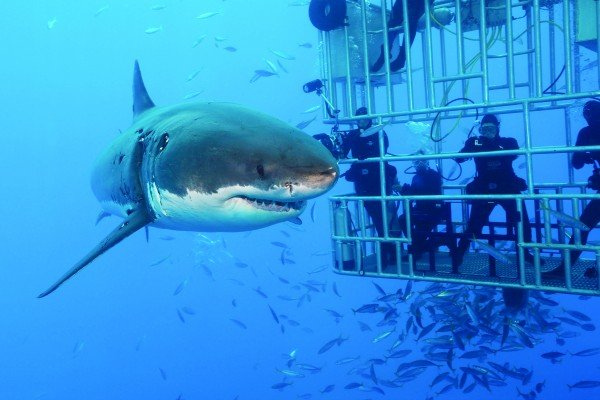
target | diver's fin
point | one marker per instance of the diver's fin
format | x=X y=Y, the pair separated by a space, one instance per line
x=101 y=216
x=136 y=220
x=141 y=99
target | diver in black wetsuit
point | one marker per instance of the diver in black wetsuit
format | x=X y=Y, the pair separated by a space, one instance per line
x=366 y=179
x=416 y=8
x=588 y=136
x=424 y=214
x=495 y=175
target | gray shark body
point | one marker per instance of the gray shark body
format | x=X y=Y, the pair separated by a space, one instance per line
x=205 y=167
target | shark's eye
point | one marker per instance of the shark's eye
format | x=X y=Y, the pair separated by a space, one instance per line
x=261 y=170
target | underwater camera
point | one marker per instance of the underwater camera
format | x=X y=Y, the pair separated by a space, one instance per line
x=594 y=180
x=312 y=86
x=332 y=142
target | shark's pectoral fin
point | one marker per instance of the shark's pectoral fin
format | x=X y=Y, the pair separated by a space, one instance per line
x=136 y=220
x=101 y=216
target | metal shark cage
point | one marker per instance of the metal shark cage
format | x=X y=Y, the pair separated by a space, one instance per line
x=506 y=57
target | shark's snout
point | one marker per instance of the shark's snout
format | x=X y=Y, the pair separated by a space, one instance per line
x=327 y=178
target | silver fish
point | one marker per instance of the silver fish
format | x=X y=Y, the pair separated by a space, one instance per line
x=566 y=219
x=304 y=124
x=207 y=15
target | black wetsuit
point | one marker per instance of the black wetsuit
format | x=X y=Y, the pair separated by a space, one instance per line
x=416 y=8
x=588 y=136
x=425 y=214
x=366 y=179
x=495 y=175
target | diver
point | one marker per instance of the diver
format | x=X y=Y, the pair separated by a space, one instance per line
x=587 y=136
x=425 y=215
x=416 y=8
x=366 y=179
x=495 y=175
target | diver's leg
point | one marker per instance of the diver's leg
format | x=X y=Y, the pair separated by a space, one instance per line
x=480 y=212
x=513 y=218
x=396 y=19
x=375 y=212
x=590 y=217
x=399 y=62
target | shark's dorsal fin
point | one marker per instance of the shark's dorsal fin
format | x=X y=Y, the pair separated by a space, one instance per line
x=134 y=221
x=141 y=99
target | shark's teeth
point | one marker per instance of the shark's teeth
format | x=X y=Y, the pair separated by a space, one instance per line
x=273 y=205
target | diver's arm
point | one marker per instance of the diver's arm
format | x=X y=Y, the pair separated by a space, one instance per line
x=581 y=158
x=467 y=148
x=511 y=144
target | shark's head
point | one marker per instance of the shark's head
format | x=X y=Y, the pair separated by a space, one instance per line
x=222 y=167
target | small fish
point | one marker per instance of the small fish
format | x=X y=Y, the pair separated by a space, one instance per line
x=188 y=310
x=400 y=354
x=220 y=39
x=101 y=10
x=154 y=264
x=588 y=327
x=274 y=314
x=230 y=49
x=180 y=287
x=311 y=110
x=491 y=250
x=193 y=75
x=330 y=344
x=281 y=385
x=153 y=29
x=346 y=360
x=328 y=389
x=306 y=45
x=207 y=15
x=50 y=24
x=304 y=124
x=566 y=219
x=280 y=244
x=238 y=323
x=553 y=355
x=578 y=315
x=281 y=66
x=335 y=290
x=192 y=95
x=584 y=385
x=588 y=352
x=163 y=374
x=261 y=293
x=353 y=385
x=383 y=336
x=78 y=347
x=198 y=41
x=180 y=316
x=158 y=7
x=319 y=269
x=271 y=66
x=261 y=73
x=290 y=373
x=283 y=55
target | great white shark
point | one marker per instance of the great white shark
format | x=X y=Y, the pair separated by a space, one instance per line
x=204 y=167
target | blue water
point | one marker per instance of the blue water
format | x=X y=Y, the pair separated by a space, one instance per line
x=113 y=332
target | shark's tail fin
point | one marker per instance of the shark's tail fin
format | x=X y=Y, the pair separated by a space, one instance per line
x=136 y=220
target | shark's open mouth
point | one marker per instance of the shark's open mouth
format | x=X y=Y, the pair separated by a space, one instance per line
x=272 y=205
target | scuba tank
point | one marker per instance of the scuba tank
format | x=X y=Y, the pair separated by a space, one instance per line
x=343 y=227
